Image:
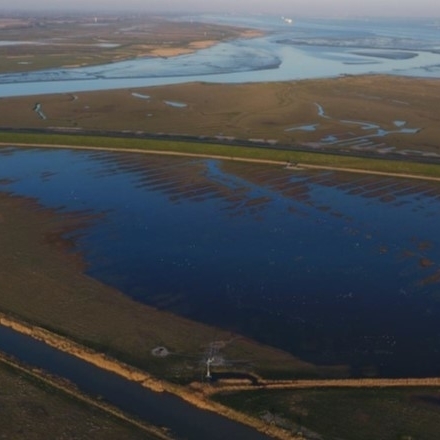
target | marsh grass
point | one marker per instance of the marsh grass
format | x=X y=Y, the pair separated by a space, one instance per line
x=249 y=121
x=351 y=414
x=31 y=408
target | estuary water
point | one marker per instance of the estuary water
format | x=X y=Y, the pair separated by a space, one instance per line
x=289 y=51
x=334 y=268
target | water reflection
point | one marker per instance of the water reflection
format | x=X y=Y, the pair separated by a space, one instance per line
x=333 y=267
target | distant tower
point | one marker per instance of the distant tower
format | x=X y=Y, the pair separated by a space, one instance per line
x=208 y=370
x=96 y=19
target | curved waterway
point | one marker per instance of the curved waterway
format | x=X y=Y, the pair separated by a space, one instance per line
x=334 y=268
x=183 y=420
x=306 y=49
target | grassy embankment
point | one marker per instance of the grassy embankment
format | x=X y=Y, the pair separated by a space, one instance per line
x=351 y=414
x=324 y=160
x=34 y=405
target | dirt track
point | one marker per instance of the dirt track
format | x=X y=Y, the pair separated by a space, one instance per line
x=328 y=383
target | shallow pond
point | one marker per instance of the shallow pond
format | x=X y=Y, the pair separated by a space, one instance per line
x=334 y=268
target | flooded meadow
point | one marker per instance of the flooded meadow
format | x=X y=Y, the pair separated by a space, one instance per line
x=334 y=268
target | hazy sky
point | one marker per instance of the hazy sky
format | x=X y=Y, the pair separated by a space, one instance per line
x=341 y=8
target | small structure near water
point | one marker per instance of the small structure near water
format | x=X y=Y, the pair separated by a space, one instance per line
x=160 y=352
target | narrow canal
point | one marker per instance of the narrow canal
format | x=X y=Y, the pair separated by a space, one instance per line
x=160 y=409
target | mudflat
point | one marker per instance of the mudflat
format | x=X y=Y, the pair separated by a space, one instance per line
x=69 y=40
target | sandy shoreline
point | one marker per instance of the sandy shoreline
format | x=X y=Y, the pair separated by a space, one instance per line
x=194 y=46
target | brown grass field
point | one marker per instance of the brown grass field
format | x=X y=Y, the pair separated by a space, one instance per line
x=274 y=113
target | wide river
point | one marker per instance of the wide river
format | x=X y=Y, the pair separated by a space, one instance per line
x=333 y=268
x=301 y=50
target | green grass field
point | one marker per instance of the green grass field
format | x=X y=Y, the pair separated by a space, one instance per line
x=226 y=151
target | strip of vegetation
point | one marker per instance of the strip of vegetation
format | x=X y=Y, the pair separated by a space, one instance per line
x=352 y=414
x=153 y=366
x=227 y=151
x=35 y=403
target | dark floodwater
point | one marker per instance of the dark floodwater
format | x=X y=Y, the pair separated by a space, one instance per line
x=334 y=268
